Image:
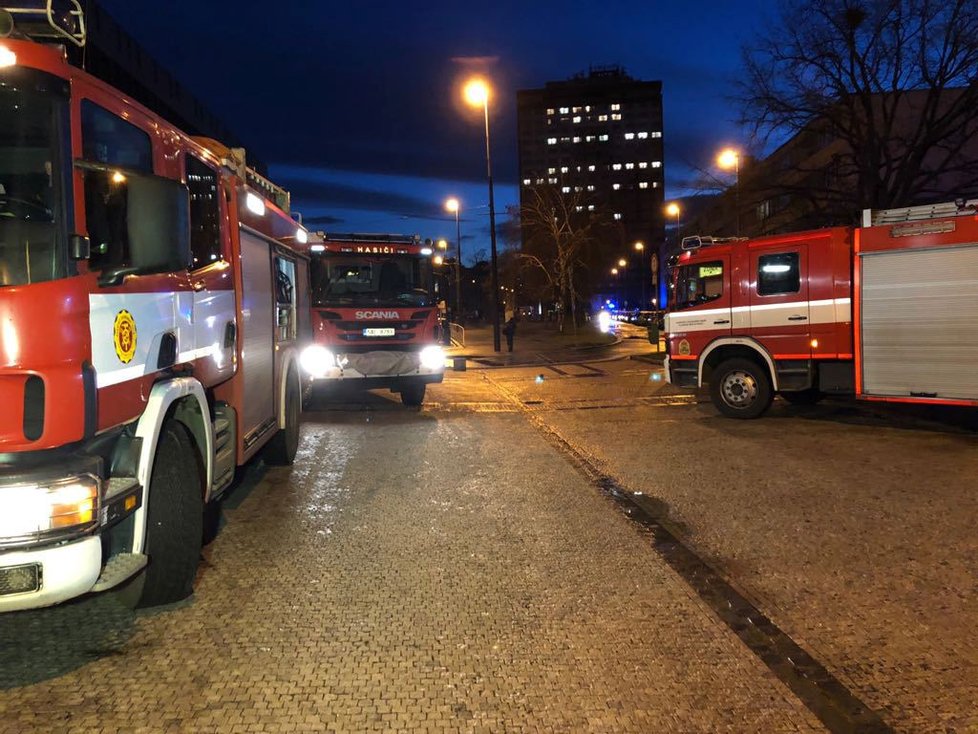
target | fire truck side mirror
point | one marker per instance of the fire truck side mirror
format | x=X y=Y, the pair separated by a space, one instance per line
x=158 y=221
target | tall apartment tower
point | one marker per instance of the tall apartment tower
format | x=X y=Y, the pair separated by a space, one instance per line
x=601 y=133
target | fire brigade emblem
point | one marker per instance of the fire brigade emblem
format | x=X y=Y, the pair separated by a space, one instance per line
x=124 y=335
x=684 y=347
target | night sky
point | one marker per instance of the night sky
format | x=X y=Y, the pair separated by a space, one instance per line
x=355 y=107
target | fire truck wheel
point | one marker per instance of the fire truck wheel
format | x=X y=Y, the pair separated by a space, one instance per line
x=281 y=449
x=175 y=519
x=741 y=388
x=803 y=397
x=413 y=395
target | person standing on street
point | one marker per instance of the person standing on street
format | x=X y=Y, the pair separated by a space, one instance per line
x=509 y=329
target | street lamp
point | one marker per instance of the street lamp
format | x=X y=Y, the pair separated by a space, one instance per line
x=730 y=159
x=452 y=205
x=476 y=93
x=640 y=249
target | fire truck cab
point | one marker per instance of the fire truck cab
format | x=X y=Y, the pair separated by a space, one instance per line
x=884 y=311
x=374 y=316
x=152 y=305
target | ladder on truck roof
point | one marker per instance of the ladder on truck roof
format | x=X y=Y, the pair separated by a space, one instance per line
x=958 y=208
x=391 y=239
x=40 y=20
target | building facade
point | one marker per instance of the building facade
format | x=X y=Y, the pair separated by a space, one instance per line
x=597 y=137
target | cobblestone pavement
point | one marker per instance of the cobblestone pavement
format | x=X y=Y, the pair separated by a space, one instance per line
x=851 y=526
x=444 y=570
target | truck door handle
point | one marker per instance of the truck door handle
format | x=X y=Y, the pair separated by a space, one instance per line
x=722 y=321
x=797 y=318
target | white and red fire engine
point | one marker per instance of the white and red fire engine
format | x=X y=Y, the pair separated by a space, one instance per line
x=151 y=308
x=374 y=317
x=886 y=311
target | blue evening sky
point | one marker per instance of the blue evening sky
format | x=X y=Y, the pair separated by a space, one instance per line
x=355 y=109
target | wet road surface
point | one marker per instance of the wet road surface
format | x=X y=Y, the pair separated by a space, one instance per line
x=464 y=568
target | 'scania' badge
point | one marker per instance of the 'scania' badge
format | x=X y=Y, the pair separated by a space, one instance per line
x=124 y=335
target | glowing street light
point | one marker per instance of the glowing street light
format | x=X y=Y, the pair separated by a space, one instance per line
x=452 y=205
x=730 y=159
x=614 y=271
x=476 y=93
x=640 y=249
x=622 y=263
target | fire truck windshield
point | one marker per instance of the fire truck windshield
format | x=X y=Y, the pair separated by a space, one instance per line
x=344 y=279
x=33 y=178
x=698 y=283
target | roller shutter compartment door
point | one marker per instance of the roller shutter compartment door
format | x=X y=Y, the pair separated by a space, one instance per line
x=919 y=322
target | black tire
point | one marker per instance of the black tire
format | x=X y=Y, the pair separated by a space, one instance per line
x=741 y=388
x=175 y=519
x=413 y=395
x=281 y=450
x=803 y=397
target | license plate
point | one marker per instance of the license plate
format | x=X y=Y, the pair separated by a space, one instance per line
x=378 y=332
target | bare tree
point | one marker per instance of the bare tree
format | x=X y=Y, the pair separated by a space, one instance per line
x=887 y=89
x=558 y=229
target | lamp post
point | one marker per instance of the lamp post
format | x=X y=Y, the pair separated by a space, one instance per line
x=622 y=263
x=614 y=271
x=640 y=249
x=452 y=205
x=730 y=159
x=476 y=93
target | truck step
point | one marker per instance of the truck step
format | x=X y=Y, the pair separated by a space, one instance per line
x=120 y=568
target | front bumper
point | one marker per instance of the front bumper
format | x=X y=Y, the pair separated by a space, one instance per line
x=65 y=571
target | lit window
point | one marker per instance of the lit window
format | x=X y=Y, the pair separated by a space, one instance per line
x=551 y=170
x=629 y=166
x=617 y=216
x=615 y=107
x=576 y=119
x=631 y=136
x=578 y=189
x=564 y=169
x=642 y=136
x=656 y=164
x=587 y=108
x=552 y=180
x=616 y=186
x=602 y=118
x=643 y=164
x=590 y=207
x=577 y=138
x=578 y=169
x=539 y=181
x=603 y=138
x=616 y=166
x=564 y=110
x=655 y=184
x=526 y=182
x=591 y=167
x=657 y=134
x=565 y=139
x=551 y=141
x=590 y=138
x=550 y=110
x=590 y=187
x=643 y=184
x=576 y=110
x=615 y=116
x=566 y=189
x=578 y=208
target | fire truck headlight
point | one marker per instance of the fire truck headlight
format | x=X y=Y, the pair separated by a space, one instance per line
x=433 y=358
x=604 y=321
x=7 y=57
x=316 y=360
x=31 y=508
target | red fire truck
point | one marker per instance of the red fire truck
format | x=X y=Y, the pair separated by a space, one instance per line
x=151 y=307
x=886 y=311
x=374 y=317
